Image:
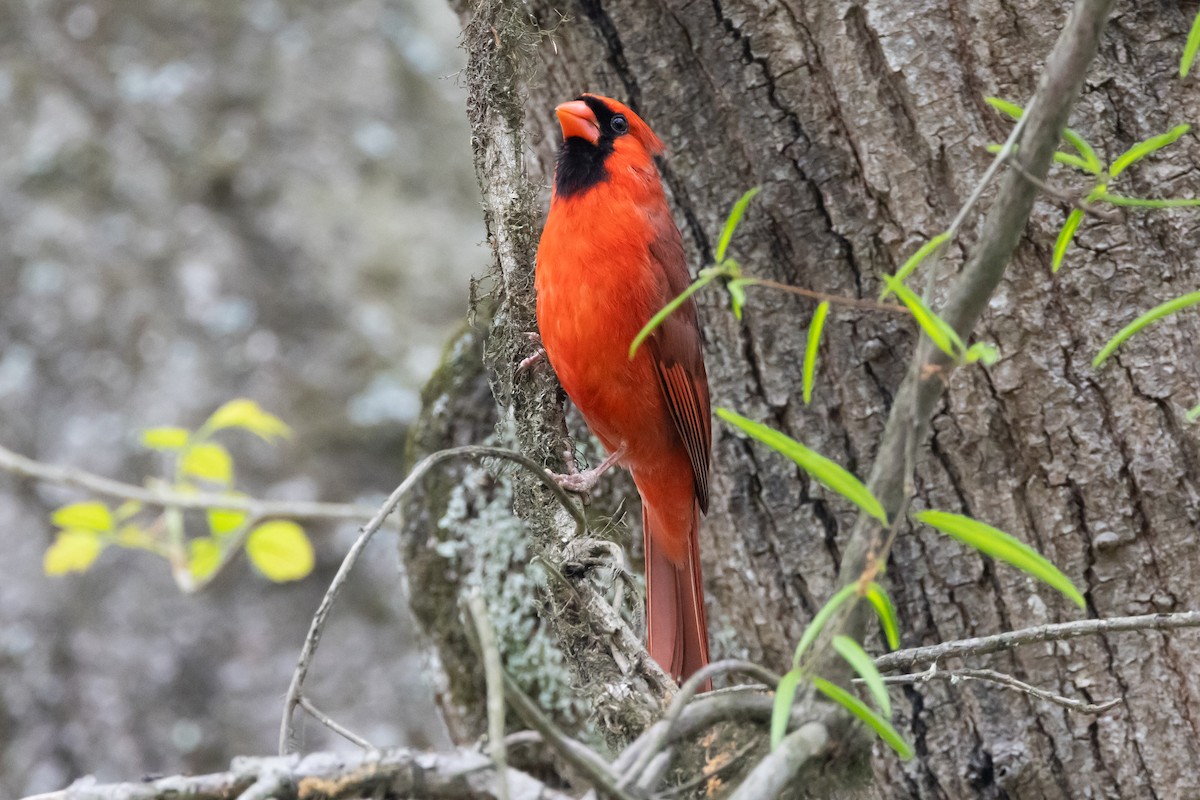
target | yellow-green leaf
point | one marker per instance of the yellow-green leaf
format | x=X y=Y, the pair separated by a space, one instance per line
x=936 y=328
x=852 y=652
x=810 y=348
x=879 y=598
x=1003 y=547
x=731 y=222
x=820 y=620
x=280 y=550
x=224 y=521
x=73 y=551
x=826 y=472
x=861 y=710
x=1153 y=315
x=1145 y=148
x=1189 y=49
x=210 y=461
x=915 y=260
x=1064 y=238
x=133 y=536
x=1091 y=160
x=165 y=438
x=247 y=414
x=90 y=516
x=205 y=557
x=127 y=510
x=781 y=710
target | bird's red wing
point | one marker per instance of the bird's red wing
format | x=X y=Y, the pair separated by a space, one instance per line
x=679 y=361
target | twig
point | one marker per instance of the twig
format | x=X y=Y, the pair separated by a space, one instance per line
x=571 y=751
x=1063 y=197
x=70 y=476
x=992 y=676
x=832 y=299
x=776 y=771
x=458 y=775
x=493 y=672
x=328 y=721
x=982 y=645
x=424 y=465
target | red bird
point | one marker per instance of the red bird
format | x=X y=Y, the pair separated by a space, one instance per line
x=610 y=257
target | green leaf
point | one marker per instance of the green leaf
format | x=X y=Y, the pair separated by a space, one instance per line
x=820 y=620
x=1074 y=161
x=1145 y=148
x=731 y=222
x=126 y=510
x=864 y=665
x=982 y=352
x=860 y=709
x=247 y=414
x=936 y=328
x=915 y=260
x=1153 y=315
x=1003 y=547
x=165 y=438
x=737 y=294
x=73 y=550
x=1091 y=162
x=781 y=710
x=134 y=536
x=1193 y=414
x=879 y=598
x=706 y=277
x=280 y=550
x=1189 y=50
x=822 y=469
x=1064 y=238
x=810 y=348
x=210 y=461
x=1143 y=202
x=90 y=516
x=224 y=521
x=204 y=558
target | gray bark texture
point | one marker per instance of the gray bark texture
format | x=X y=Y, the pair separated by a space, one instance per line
x=865 y=124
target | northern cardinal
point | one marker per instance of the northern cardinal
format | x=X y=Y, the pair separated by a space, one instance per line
x=610 y=257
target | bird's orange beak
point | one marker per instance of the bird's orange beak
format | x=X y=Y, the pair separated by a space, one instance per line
x=578 y=120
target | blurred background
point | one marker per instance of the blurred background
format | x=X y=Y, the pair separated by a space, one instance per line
x=202 y=201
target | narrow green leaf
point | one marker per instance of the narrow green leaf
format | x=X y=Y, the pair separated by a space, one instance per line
x=1004 y=107
x=737 y=294
x=1153 y=315
x=982 y=352
x=1145 y=148
x=705 y=278
x=826 y=472
x=886 y=612
x=247 y=414
x=731 y=222
x=864 y=665
x=90 y=516
x=1064 y=238
x=74 y=550
x=781 y=710
x=1073 y=161
x=135 y=537
x=1145 y=202
x=811 y=345
x=914 y=261
x=1003 y=547
x=1193 y=414
x=210 y=461
x=860 y=709
x=204 y=557
x=820 y=620
x=126 y=510
x=937 y=329
x=280 y=550
x=165 y=438
x=1091 y=162
x=1189 y=50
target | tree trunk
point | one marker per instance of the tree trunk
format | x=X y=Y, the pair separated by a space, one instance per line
x=866 y=127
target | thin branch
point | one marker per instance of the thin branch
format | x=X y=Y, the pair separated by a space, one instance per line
x=992 y=676
x=493 y=672
x=982 y=645
x=458 y=775
x=832 y=299
x=70 y=476
x=782 y=764
x=1072 y=200
x=317 y=627
x=328 y=721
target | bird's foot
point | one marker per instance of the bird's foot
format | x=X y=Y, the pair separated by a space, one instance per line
x=576 y=481
x=539 y=354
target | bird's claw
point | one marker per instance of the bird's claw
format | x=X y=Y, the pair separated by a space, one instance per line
x=539 y=354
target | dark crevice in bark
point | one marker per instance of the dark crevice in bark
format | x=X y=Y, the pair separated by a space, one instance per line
x=928 y=777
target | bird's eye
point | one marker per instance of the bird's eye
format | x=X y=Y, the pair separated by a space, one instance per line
x=619 y=124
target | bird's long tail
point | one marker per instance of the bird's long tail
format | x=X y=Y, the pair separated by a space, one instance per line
x=677 y=630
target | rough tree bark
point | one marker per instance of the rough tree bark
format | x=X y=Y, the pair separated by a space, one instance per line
x=865 y=125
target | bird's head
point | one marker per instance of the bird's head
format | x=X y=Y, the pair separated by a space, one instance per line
x=601 y=136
